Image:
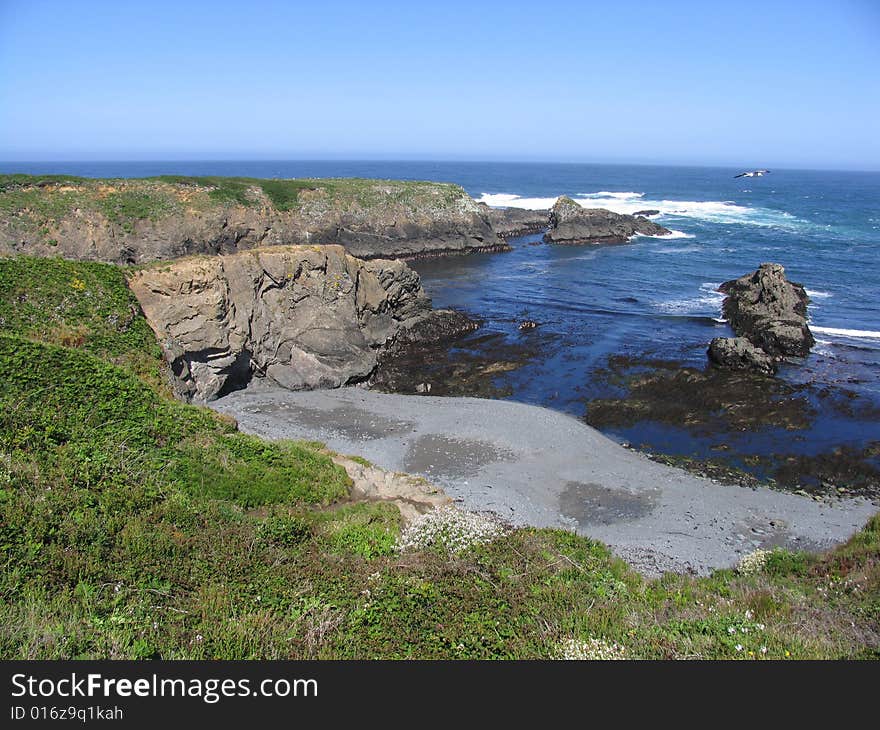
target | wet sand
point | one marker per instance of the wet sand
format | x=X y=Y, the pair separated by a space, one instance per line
x=534 y=466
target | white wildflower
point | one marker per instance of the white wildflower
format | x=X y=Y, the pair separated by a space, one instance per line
x=754 y=562
x=763 y=649
x=590 y=650
x=449 y=528
x=738 y=647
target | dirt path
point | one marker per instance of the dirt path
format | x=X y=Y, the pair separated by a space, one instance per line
x=534 y=466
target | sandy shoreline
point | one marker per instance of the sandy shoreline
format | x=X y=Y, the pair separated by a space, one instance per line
x=534 y=466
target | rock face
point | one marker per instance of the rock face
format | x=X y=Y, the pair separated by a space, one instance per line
x=769 y=315
x=737 y=353
x=572 y=224
x=143 y=220
x=513 y=222
x=302 y=316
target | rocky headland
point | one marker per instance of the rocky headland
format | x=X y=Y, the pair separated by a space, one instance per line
x=301 y=316
x=150 y=219
x=768 y=314
x=571 y=224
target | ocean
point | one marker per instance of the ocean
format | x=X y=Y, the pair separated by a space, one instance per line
x=654 y=301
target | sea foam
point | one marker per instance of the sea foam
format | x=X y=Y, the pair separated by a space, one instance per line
x=707 y=302
x=713 y=211
x=840 y=332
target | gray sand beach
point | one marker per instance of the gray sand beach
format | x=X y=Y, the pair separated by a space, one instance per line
x=534 y=466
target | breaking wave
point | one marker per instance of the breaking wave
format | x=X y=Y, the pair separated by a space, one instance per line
x=713 y=211
x=852 y=334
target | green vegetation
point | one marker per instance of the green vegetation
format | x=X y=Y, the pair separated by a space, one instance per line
x=134 y=526
x=41 y=202
x=78 y=305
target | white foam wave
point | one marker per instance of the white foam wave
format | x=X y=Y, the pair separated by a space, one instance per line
x=708 y=303
x=606 y=194
x=818 y=294
x=840 y=332
x=667 y=236
x=679 y=249
x=713 y=211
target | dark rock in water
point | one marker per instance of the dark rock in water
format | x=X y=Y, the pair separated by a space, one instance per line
x=647 y=212
x=436 y=327
x=770 y=311
x=738 y=353
x=527 y=325
x=572 y=224
x=513 y=222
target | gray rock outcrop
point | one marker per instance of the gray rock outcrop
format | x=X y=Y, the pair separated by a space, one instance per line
x=571 y=224
x=512 y=222
x=302 y=316
x=737 y=353
x=768 y=313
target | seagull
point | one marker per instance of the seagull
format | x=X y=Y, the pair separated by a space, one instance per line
x=753 y=173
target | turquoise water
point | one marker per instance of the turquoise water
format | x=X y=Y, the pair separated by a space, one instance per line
x=654 y=297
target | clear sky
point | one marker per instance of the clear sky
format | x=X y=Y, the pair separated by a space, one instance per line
x=770 y=83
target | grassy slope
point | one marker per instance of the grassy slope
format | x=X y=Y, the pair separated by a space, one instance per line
x=41 y=201
x=135 y=526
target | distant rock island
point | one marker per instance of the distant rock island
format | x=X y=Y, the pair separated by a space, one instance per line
x=572 y=224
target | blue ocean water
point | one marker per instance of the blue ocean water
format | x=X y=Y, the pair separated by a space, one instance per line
x=656 y=296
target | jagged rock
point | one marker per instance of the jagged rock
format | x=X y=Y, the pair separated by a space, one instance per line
x=647 y=212
x=302 y=316
x=770 y=311
x=737 y=353
x=513 y=222
x=572 y=224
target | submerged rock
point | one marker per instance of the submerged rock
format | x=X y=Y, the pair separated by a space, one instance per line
x=770 y=311
x=572 y=224
x=302 y=316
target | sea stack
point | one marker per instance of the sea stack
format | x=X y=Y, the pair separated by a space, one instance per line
x=571 y=224
x=768 y=313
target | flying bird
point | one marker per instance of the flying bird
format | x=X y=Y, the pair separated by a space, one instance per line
x=753 y=173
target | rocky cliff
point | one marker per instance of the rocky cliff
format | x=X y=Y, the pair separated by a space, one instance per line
x=768 y=313
x=572 y=224
x=149 y=219
x=302 y=316
x=512 y=222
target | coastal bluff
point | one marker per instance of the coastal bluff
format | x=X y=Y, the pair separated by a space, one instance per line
x=302 y=317
x=138 y=220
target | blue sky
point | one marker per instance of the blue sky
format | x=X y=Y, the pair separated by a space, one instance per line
x=743 y=83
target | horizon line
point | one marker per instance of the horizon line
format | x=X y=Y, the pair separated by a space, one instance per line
x=425 y=160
